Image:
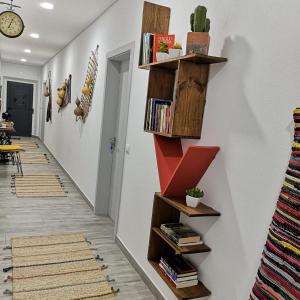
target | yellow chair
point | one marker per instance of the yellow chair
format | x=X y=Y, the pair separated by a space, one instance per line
x=14 y=152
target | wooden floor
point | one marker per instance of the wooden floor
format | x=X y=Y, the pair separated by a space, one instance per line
x=19 y=217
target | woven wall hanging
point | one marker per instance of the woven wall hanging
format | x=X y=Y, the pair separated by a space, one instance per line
x=84 y=103
x=278 y=275
x=48 y=94
x=64 y=93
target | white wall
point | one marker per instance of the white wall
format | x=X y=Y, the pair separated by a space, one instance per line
x=248 y=114
x=29 y=74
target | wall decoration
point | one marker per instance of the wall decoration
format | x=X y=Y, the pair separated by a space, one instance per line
x=84 y=103
x=278 y=274
x=48 y=94
x=64 y=93
x=11 y=24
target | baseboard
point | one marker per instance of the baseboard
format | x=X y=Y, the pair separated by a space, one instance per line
x=70 y=177
x=156 y=293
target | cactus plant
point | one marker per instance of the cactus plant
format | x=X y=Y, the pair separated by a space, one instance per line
x=199 y=22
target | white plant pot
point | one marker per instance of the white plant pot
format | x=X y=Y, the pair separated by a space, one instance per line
x=192 y=201
x=173 y=53
x=161 y=56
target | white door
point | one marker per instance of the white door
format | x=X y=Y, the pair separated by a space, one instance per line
x=117 y=141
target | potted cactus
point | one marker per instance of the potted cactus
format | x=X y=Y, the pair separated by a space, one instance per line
x=193 y=197
x=198 y=40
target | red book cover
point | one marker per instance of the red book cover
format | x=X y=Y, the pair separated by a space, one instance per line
x=162 y=43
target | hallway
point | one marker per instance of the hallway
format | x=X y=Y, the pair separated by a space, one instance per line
x=25 y=217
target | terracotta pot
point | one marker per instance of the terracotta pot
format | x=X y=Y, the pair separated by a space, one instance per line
x=197 y=42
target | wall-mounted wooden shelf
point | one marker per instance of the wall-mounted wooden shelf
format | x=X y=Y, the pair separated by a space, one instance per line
x=201 y=210
x=167 y=210
x=174 y=109
x=173 y=63
x=184 y=249
x=193 y=292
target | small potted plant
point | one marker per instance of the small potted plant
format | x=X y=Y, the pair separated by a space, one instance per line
x=176 y=50
x=193 y=197
x=162 y=52
x=198 y=40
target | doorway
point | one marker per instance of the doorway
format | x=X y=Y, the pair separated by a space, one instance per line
x=114 y=131
x=19 y=101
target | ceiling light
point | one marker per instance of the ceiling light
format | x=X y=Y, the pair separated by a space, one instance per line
x=47 y=5
x=27 y=51
x=35 y=35
x=23 y=59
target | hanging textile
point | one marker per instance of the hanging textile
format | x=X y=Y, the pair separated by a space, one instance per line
x=278 y=275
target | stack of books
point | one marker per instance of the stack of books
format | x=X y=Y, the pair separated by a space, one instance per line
x=158 y=115
x=179 y=271
x=181 y=234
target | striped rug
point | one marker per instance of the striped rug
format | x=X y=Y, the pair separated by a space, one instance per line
x=57 y=267
x=38 y=158
x=37 y=185
x=278 y=277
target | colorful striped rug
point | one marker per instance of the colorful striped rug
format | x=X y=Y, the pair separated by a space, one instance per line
x=56 y=267
x=278 y=277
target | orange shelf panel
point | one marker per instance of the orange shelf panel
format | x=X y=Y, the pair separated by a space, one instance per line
x=178 y=171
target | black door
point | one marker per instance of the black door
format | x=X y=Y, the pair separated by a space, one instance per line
x=19 y=105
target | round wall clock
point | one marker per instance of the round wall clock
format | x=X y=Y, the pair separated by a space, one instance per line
x=11 y=24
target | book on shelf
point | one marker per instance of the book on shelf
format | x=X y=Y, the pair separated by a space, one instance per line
x=147 y=53
x=181 y=234
x=181 y=284
x=162 y=43
x=179 y=266
x=185 y=274
x=158 y=115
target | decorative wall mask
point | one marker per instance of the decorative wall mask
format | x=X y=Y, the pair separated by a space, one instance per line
x=64 y=93
x=48 y=94
x=84 y=103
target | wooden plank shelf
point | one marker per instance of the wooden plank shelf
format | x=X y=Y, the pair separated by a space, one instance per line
x=193 y=292
x=194 y=58
x=172 y=136
x=181 y=250
x=179 y=203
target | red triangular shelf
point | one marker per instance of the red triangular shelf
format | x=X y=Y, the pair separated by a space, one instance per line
x=178 y=171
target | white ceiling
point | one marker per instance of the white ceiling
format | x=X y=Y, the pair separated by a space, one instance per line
x=56 y=27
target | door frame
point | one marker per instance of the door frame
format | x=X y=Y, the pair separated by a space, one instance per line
x=102 y=199
x=35 y=83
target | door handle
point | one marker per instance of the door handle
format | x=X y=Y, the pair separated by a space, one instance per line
x=32 y=110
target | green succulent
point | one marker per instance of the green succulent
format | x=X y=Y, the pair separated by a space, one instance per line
x=195 y=192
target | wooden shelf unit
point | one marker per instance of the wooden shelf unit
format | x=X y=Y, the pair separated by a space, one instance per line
x=193 y=292
x=182 y=82
x=167 y=210
x=184 y=249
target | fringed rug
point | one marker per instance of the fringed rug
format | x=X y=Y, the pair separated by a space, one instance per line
x=29 y=157
x=278 y=275
x=57 y=267
x=37 y=186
